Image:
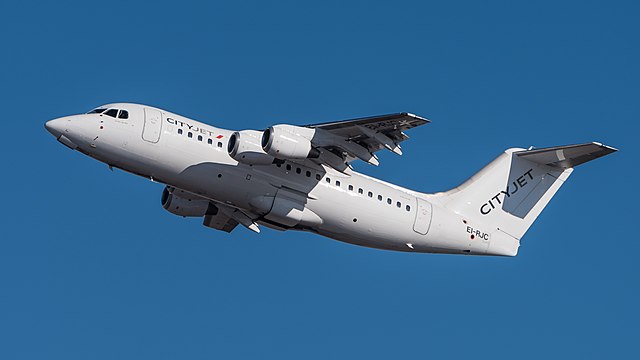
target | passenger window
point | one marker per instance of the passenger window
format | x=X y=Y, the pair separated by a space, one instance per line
x=408 y=208
x=370 y=194
x=350 y=187
x=209 y=141
x=288 y=167
x=190 y=134
x=308 y=173
x=219 y=144
x=279 y=165
x=318 y=177
x=337 y=183
x=298 y=170
x=380 y=197
x=180 y=131
x=398 y=204
x=360 y=191
x=124 y=114
x=328 y=180
x=112 y=112
x=199 y=137
x=389 y=201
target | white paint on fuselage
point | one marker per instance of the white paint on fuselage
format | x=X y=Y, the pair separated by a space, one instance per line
x=206 y=169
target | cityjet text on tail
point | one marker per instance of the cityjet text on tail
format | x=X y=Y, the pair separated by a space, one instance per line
x=291 y=177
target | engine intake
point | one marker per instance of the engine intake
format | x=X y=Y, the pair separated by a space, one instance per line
x=289 y=142
x=183 y=204
x=244 y=146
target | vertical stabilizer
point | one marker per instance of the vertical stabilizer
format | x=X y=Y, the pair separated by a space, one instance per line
x=508 y=194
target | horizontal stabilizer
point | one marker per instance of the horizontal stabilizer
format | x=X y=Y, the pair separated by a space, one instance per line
x=566 y=156
x=508 y=194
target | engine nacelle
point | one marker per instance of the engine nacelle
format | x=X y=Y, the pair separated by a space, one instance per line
x=244 y=146
x=289 y=142
x=182 y=203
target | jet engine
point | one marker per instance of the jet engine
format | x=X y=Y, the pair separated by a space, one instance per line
x=183 y=204
x=289 y=142
x=244 y=146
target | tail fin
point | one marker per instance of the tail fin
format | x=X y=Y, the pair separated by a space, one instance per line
x=509 y=193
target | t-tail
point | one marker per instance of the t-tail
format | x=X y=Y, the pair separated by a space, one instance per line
x=508 y=194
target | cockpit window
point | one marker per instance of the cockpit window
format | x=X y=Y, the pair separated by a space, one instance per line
x=115 y=113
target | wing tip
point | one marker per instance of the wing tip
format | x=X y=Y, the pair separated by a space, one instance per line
x=412 y=115
x=610 y=148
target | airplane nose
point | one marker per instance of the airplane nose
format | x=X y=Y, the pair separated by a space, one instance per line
x=56 y=127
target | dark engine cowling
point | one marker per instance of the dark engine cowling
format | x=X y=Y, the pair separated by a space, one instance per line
x=289 y=142
x=183 y=204
x=244 y=146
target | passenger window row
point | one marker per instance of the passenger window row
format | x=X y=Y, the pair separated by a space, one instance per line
x=337 y=183
x=298 y=170
x=199 y=138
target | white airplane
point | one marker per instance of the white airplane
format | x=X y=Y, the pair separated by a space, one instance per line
x=291 y=177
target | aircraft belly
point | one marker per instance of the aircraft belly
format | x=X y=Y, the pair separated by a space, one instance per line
x=335 y=213
x=353 y=219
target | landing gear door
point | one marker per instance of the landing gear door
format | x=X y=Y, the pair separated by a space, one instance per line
x=152 y=125
x=423 y=217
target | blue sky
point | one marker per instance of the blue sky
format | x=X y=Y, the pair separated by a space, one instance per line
x=91 y=266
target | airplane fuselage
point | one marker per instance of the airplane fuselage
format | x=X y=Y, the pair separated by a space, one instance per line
x=204 y=170
x=193 y=156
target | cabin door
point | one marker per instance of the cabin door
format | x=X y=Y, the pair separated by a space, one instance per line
x=423 y=217
x=152 y=125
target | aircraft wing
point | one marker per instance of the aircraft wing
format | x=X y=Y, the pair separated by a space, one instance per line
x=220 y=216
x=220 y=221
x=361 y=138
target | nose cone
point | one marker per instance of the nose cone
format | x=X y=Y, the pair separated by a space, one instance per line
x=56 y=127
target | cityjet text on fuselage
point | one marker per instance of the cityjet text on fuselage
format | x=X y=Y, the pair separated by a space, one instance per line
x=193 y=128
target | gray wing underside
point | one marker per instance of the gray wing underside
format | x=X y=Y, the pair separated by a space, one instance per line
x=220 y=216
x=360 y=138
x=220 y=221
